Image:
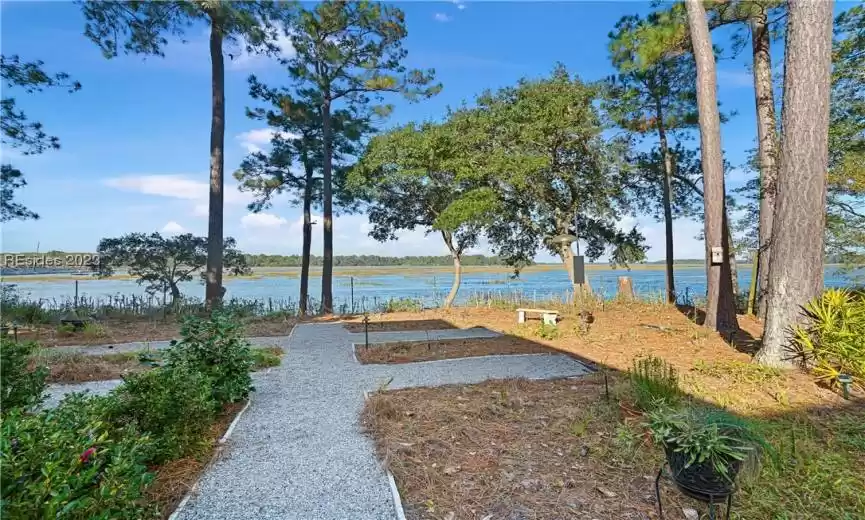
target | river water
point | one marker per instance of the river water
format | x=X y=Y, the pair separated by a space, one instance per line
x=369 y=289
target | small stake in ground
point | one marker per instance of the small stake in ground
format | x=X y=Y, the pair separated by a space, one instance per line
x=366 y=330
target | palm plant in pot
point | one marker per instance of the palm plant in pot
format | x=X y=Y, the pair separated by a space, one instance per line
x=706 y=449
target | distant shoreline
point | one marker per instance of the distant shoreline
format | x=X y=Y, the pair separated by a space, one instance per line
x=362 y=271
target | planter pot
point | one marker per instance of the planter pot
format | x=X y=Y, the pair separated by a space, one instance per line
x=700 y=480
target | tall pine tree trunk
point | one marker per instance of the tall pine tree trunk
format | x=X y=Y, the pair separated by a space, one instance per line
x=307 y=239
x=720 y=307
x=668 y=205
x=767 y=135
x=731 y=259
x=327 y=190
x=213 y=288
x=458 y=270
x=796 y=267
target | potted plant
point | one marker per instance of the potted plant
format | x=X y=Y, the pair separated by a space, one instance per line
x=705 y=448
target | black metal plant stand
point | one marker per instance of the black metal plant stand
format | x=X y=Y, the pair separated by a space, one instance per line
x=710 y=499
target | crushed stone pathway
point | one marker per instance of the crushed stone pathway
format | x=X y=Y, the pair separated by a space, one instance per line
x=298 y=452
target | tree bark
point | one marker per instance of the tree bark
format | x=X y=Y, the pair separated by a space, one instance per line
x=458 y=270
x=213 y=287
x=175 y=293
x=767 y=136
x=720 y=308
x=327 y=189
x=307 y=240
x=731 y=258
x=796 y=264
x=668 y=205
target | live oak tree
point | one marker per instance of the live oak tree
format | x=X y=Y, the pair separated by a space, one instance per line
x=797 y=260
x=407 y=176
x=18 y=132
x=144 y=27
x=657 y=97
x=293 y=164
x=542 y=168
x=163 y=262
x=349 y=54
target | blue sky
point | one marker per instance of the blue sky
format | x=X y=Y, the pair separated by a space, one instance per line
x=135 y=138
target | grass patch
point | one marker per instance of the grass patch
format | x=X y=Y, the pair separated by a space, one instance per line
x=739 y=372
x=266 y=357
x=655 y=383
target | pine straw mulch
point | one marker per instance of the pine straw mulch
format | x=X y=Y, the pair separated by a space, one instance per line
x=537 y=450
x=176 y=478
x=127 y=330
x=516 y=449
x=79 y=368
x=379 y=323
x=413 y=351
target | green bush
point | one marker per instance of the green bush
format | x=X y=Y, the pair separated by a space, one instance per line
x=655 y=383
x=173 y=405
x=833 y=342
x=19 y=387
x=71 y=463
x=216 y=348
x=546 y=331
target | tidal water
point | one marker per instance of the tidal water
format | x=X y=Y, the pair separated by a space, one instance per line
x=368 y=290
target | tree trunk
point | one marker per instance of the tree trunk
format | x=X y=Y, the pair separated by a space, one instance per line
x=213 y=288
x=720 y=308
x=731 y=258
x=307 y=240
x=767 y=151
x=796 y=264
x=668 y=205
x=327 y=261
x=458 y=271
x=175 y=293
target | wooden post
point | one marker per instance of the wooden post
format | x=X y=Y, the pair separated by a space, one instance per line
x=626 y=288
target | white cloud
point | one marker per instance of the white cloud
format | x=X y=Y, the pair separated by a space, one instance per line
x=241 y=59
x=257 y=139
x=173 y=228
x=262 y=220
x=178 y=187
x=442 y=17
x=460 y=4
x=735 y=78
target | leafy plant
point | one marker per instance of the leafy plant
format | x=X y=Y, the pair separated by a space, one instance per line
x=71 y=463
x=265 y=358
x=173 y=405
x=655 y=383
x=64 y=330
x=19 y=386
x=833 y=343
x=93 y=330
x=215 y=347
x=706 y=436
x=547 y=331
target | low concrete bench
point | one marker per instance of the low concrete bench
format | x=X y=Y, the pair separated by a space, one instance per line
x=549 y=317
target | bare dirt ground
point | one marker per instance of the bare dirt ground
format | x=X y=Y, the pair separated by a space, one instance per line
x=413 y=351
x=126 y=330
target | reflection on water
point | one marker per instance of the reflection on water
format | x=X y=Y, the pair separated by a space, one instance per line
x=431 y=287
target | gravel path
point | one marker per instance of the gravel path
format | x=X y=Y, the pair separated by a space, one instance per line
x=56 y=392
x=298 y=452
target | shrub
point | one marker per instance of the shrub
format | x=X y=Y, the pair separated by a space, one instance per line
x=71 y=463
x=19 y=387
x=173 y=405
x=216 y=348
x=655 y=383
x=547 y=331
x=64 y=330
x=833 y=343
